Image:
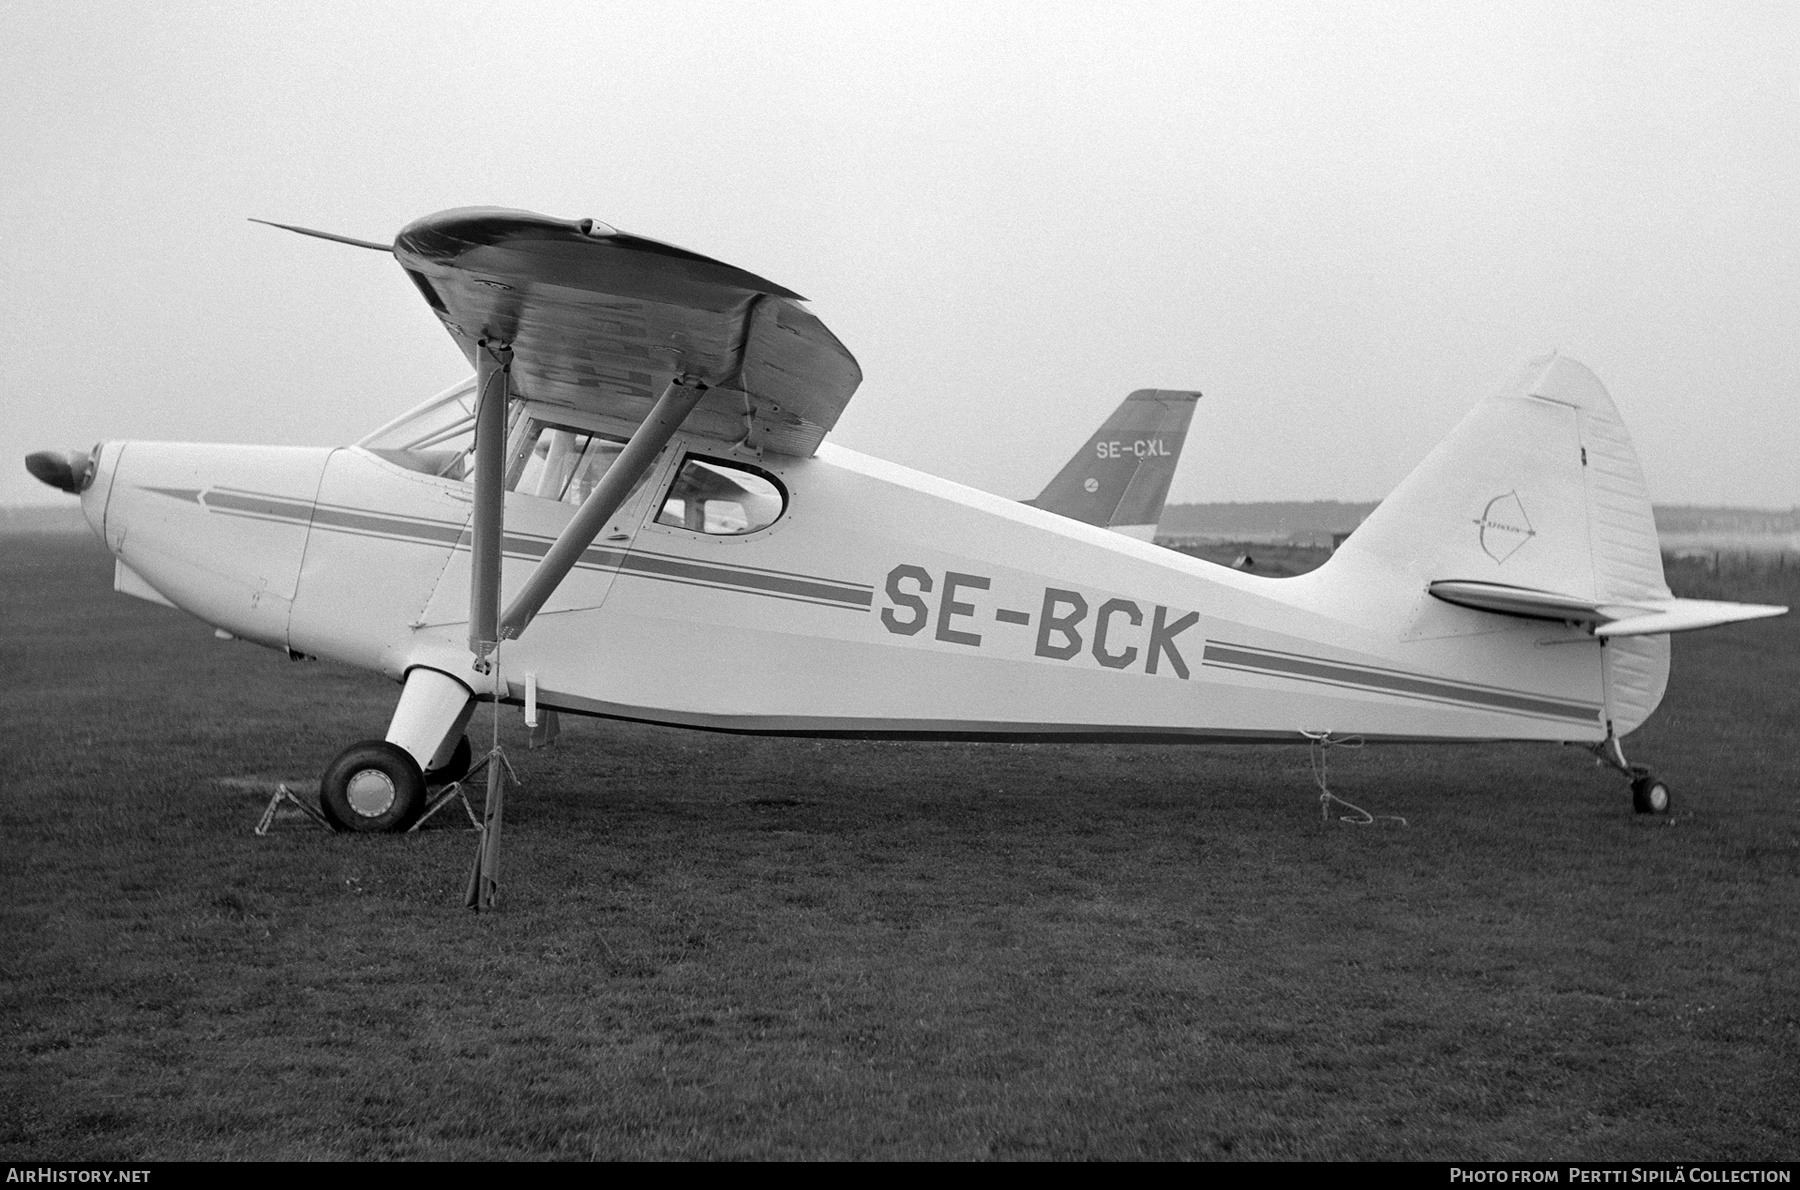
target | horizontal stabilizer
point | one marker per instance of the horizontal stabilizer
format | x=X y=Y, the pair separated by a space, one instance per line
x=1639 y=617
x=1683 y=615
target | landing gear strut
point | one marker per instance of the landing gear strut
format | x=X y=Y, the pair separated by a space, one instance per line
x=462 y=759
x=1649 y=792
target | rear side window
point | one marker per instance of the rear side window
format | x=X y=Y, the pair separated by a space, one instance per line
x=722 y=499
x=554 y=463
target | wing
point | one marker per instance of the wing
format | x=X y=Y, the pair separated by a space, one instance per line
x=601 y=321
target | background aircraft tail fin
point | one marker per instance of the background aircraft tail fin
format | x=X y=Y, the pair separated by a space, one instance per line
x=1120 y=477
x=1538 y=489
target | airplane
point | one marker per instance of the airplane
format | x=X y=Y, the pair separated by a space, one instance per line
x=1120 y=477
x=633 y=513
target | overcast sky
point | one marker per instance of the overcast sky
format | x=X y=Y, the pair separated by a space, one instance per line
x=1342 y=222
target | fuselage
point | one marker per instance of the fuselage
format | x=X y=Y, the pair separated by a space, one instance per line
x=880 y=601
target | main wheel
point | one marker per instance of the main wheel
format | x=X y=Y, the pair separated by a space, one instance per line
x=456 y=768
x=372 y=786
x=1649 y=794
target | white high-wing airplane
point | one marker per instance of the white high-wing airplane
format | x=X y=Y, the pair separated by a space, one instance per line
x=631 y=512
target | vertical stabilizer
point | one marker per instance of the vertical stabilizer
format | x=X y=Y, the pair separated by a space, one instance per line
x=1120 y=477
x=1537 y=488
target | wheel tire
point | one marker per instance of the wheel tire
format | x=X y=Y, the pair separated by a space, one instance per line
x=456 y=768
x=372 y=786
x=327 y=811
x=1650 y=795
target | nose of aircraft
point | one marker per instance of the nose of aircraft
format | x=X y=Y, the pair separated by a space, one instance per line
x=71 y=471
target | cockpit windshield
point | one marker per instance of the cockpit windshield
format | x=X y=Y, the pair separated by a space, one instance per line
x=434 y=438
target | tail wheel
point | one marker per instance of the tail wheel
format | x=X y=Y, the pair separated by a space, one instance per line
x=1649 y=794
x=454 y=769
x=372 y=786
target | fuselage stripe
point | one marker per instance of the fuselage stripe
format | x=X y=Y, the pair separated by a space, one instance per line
x=658 y=567
x=661 y=566
x=1390 y=682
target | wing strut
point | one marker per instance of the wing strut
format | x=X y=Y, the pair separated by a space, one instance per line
x=647 y=442
x=493 y=384
x=487 y=628
x=493 y=392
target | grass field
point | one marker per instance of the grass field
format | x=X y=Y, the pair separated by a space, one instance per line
x=715 y=946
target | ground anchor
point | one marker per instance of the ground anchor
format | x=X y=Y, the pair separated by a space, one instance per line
x=283 y=793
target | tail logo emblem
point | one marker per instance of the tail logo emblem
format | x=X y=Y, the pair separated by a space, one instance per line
x=1504 y=527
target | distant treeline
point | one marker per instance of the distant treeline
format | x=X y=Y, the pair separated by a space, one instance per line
x=1268 y=519
x=41 y=518
x=1699 y=518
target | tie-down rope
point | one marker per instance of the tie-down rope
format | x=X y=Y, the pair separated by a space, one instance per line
x=484 y=875
x=1318 y=742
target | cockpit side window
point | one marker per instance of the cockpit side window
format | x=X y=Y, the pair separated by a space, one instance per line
x=556 y=462
x=722 y=499
x=549 y=461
